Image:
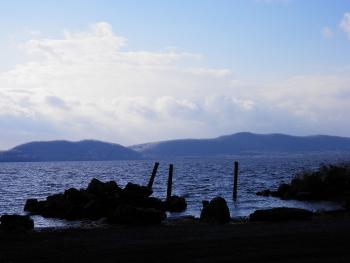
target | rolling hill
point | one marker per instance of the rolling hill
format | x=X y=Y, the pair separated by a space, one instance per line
x=239 y=143
x=243 y=142
x=87 y=150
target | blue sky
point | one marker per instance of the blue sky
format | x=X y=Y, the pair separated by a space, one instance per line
x=239 y=62
x=283 y=37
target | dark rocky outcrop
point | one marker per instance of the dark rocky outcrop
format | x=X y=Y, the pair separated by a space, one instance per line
x=16 y=223
x=136 y=191
x=98 y=188
x=280 y=214
x=176 y=204
x=215 y=211
x=131 y=205
x=31 y=205
x=328 y=183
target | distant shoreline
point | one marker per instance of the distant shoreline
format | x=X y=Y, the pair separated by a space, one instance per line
x=243 y=143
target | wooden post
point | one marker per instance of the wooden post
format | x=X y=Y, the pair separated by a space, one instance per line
x=235 y=178
x=153 y=175
x=170 y=182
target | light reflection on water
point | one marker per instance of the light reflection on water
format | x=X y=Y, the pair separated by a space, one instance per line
x=196 y=179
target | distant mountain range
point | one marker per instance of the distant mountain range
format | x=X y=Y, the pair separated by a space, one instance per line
x=88 y=150
x=244 y=142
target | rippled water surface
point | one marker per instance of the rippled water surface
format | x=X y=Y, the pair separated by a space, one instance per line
x=194 y=178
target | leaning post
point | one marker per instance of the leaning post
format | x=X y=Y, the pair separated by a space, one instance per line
x=153 y=175
x=235 y=179
x=170 y=182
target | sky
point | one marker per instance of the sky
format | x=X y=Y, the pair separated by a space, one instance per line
x=136 y=71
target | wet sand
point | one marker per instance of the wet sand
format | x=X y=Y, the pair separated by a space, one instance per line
x=320 y=240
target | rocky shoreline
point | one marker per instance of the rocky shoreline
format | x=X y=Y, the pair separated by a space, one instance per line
x=328 y=183
x=129 y=225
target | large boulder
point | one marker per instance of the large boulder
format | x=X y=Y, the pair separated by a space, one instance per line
x=16 y=223
x=32 y=206
x=215 y=211
x=152 y=202
x=283 y=191
x=126 y=214
x=280 y=214
x=176 y=204
x=100 y=207
x=73 y=195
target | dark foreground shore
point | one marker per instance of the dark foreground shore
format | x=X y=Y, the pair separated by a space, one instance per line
x=321 y=240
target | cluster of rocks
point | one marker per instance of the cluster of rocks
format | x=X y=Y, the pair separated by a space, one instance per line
x=328 y=183
x=16 y=223
x=131 y=205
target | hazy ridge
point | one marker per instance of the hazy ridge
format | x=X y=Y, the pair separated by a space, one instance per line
x=87 y=150
x=244 y=142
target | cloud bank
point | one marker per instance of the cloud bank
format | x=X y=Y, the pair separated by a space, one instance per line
x=345 y=24
x=89 y=85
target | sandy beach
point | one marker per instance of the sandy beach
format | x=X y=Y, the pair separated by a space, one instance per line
x=318 y=240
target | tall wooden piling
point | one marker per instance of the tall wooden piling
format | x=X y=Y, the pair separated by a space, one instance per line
x=235 y=179
x=153 y=175
x=170 y=182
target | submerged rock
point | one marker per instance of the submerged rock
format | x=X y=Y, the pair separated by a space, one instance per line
x=16 y=223
x=215 y=211
x=280 y=214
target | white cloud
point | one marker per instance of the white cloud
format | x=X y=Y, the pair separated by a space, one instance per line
x=327 y=32
x=86 y=85
x=345 y=24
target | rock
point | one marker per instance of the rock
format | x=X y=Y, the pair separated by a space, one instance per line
x=99 y=188
x=96 y=209
x=126 y=214
x=136 y=191
x=16 y=223
x=55 y=206
x=283 y=191
x=280 y=214
x=153 y=202
x=176 y=204
x=31 y=206
x=215 y=211
x=100 y=200
x=73 y=195
x=330 y=183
